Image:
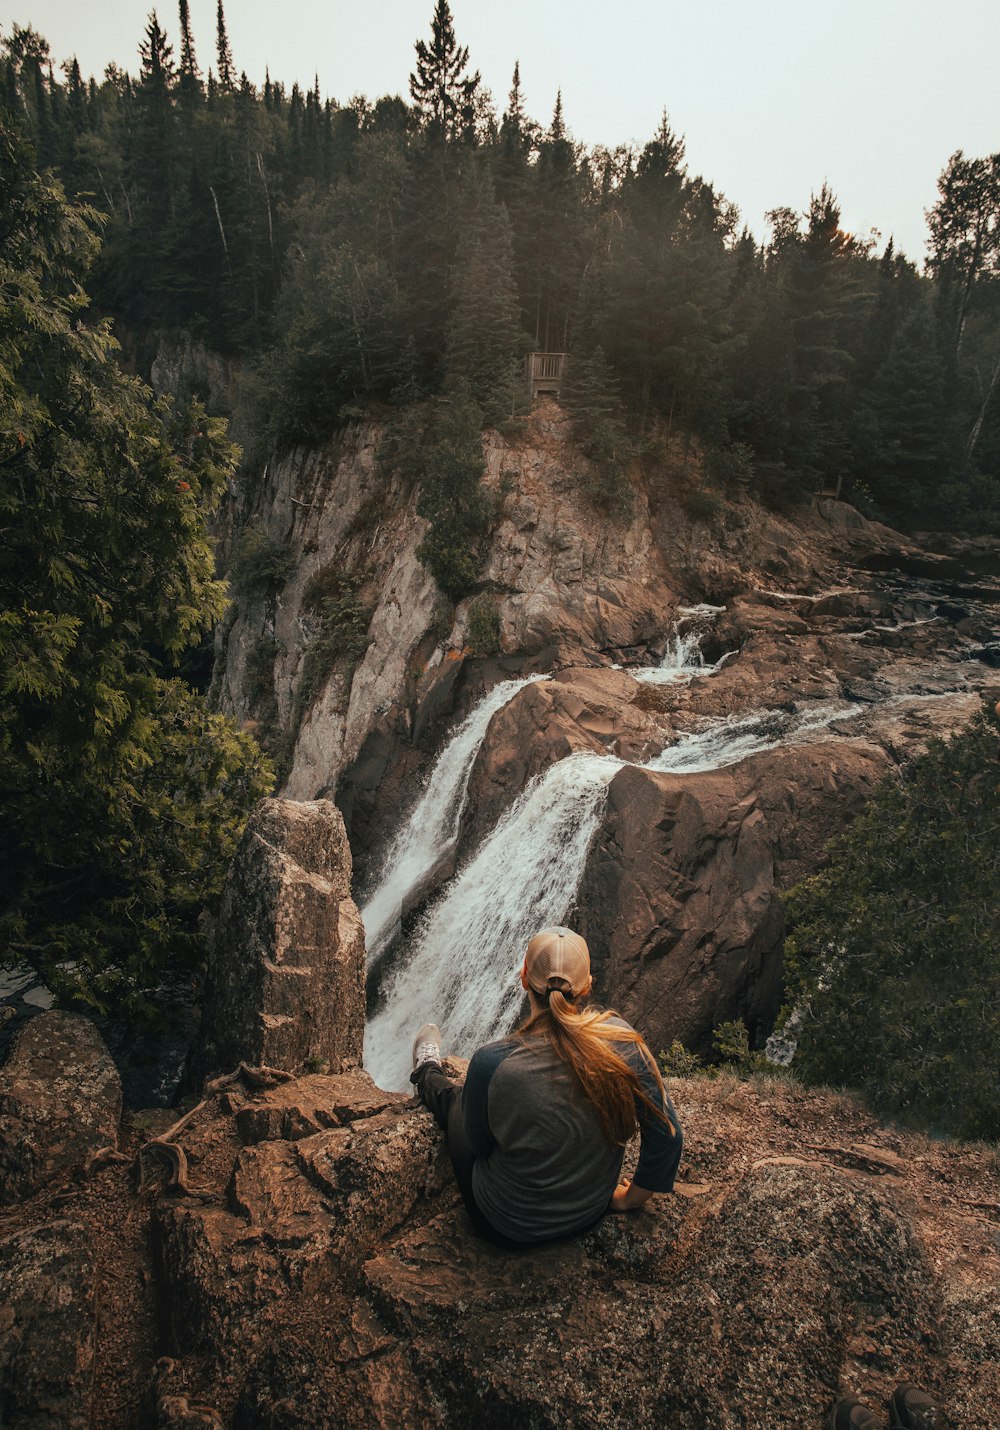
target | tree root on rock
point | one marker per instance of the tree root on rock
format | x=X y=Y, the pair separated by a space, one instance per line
x=257 y=1078
x=169 y=1152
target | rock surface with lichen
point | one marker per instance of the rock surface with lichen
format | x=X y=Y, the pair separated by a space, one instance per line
x=285 y=982
x=60 y=1102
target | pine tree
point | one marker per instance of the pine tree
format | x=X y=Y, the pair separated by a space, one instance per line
x=590 y=395
x=555 y=250
x=451 y=496
x=485 y=343
x=223 y=54
x=818 y=294
x=899 y=933
x=965 y=235
x=440 y=87
x=907 y=402
x=141 y=270
x=189 y=86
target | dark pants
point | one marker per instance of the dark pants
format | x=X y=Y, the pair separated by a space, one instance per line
x=443 y=1098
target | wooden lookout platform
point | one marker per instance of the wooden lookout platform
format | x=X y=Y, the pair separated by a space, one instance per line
x=544 y=373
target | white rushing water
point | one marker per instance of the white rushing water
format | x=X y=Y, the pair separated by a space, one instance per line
x=737 y=737
x=431 y=832
x=683 y=661
x=460 y=967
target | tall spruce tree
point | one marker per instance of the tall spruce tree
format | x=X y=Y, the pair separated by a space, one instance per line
x=451 y=496
x=189 y=86
x=440 y=86
x=486 y=345
x=223 y=54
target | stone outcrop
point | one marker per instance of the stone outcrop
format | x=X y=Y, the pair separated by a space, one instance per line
x=285 y=984
x=581 y=708
x=321 y=1272
x=570 y=578
x=568 y=583
x=316 y=1268
x=60 y=1103
x=47 y=1327
x=680 y=898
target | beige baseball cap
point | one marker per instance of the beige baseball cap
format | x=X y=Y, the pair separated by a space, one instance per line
x=555 y=958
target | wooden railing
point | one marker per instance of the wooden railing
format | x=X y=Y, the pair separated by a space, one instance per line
x=544 y=371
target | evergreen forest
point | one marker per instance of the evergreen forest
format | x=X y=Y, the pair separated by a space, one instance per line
x=363 y=255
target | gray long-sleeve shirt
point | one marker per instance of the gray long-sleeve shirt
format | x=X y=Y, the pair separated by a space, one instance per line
x=544 y=1168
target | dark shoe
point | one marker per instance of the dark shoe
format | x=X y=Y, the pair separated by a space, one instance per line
x=851 y=1414
x=913 y=1409
x=427 y=1046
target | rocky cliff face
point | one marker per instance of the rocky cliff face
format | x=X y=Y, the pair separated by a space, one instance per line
x=566 y=580
x=826 y=612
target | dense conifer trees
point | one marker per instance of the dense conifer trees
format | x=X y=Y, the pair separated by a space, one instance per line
x=123 y=796
x=892 y=959
x=379 y=252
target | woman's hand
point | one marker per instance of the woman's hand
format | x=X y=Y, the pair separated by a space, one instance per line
x=627 y=1197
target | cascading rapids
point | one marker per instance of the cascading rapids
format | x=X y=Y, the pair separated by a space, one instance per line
x=461 y=965
x=683 y=660
x=431 y=831
x=462 y=962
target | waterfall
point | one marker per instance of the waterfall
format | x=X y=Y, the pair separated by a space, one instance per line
x=431 y=832
x=462 y=962
x=683 y=660
x=460 y=967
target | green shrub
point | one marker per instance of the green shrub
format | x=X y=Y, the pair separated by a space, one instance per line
x=484 y=626
x=731 y=1042
x=893 y=955
x=259 y=562
x=679 y=1061
x=341 y=636
x=258 y=669
x=590 y=395
x=702 y=506
x=451 y=497
x=731 y=466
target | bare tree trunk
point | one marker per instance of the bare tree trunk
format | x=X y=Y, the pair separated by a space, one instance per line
x=104 y=190
x=267 y=200
x=977 y=426
x=222 y=231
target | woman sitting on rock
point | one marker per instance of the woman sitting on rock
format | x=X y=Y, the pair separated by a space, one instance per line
x=537 y=1131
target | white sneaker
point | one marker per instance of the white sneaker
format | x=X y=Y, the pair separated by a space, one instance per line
x=427 y=1046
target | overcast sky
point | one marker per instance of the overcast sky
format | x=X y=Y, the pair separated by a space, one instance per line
x=773 y=96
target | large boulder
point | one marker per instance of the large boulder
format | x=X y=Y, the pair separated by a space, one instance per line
x=60 y=1103
x=285 y=984
x=47 y=1327
x=680 y=897
x=336 y=1280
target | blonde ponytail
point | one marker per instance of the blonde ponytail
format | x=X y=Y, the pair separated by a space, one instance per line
x=582 y=1038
